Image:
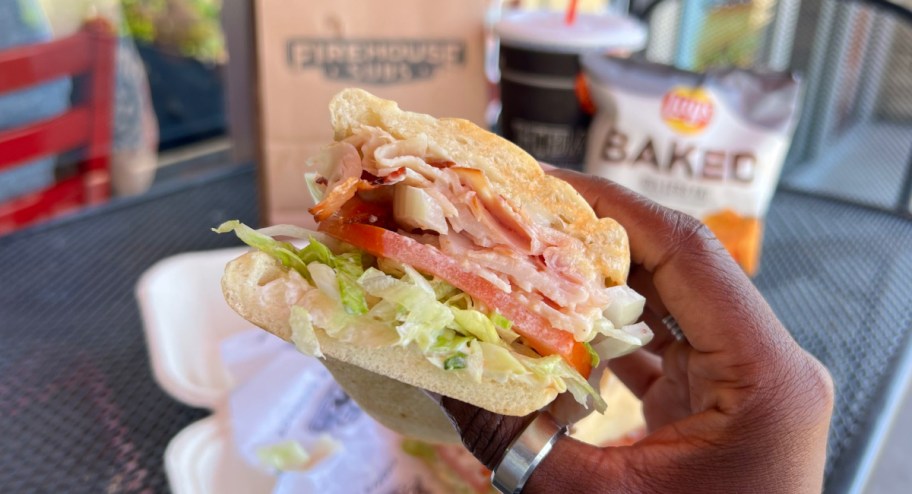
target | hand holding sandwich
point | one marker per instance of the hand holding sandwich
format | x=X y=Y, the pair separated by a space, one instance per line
x=737 y=406
x=446 y=261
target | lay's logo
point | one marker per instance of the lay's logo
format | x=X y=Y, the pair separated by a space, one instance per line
x=687 y=110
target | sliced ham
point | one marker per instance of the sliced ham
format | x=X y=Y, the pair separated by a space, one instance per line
x=512 y=225
x=367 y=140
x=524 y=274
x=410 y=153
x=486 y=234
x=349 y=164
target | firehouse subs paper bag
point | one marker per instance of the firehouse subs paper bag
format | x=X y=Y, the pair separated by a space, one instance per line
x=428 y=56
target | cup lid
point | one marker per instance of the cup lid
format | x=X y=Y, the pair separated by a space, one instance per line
x=548 y=31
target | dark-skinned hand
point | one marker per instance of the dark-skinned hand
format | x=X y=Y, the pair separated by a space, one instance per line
x=737 y=406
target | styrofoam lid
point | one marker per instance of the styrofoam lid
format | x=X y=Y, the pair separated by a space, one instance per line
x=202 y=458
x=548 y=31
x=185 y=318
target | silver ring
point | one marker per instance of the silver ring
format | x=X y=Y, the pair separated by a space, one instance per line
x=524 y=454
x=673 y=327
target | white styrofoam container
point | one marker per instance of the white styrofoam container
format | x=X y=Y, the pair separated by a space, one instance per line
x=185 y=320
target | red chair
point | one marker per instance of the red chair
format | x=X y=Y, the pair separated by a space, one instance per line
x=86 y=125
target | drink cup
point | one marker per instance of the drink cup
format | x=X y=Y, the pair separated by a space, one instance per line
x=545 y=105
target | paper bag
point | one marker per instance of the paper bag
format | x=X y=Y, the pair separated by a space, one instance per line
x=428 y=56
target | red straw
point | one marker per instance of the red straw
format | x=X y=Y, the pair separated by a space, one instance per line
x=571 y=13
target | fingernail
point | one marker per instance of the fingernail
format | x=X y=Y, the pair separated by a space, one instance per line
x=546 y=167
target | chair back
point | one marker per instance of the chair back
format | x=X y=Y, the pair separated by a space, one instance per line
x=89 y=56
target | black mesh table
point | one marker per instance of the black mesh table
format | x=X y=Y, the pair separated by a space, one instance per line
x=840 y=278
x=80 y=412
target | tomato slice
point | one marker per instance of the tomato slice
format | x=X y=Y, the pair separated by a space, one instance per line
x=534 y=328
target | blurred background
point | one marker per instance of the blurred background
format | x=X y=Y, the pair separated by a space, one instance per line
x=185 y=81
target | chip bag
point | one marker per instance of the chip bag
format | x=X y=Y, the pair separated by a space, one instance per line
x=710 y=145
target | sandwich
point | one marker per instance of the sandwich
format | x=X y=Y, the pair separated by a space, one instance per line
x=444 y=260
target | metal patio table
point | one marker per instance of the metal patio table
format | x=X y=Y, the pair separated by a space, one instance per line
x=80 y=411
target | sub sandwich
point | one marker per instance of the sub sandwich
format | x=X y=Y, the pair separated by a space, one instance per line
x=444 y=260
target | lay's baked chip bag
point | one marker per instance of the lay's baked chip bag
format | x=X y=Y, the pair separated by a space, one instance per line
x=710 y=145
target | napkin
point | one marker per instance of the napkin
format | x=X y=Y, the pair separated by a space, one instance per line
x=285 y=401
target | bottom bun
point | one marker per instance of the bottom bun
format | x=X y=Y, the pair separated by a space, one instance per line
x=386 y=382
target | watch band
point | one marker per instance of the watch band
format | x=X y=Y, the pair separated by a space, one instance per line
x=524 y=454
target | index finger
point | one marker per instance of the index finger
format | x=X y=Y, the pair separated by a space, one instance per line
x=716 y=305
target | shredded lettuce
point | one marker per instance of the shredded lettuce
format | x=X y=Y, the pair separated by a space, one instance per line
x=284 y=252
x=442 y=289
x=457 y=361
x=290 y=455
x=448 y=336
x=418 y=449
x=347 y=266
x=501 y=363
x=302 y=332
x=348 y=270
x=500 y=321
x=475 y=363
x=449 y=343
x=422 y=318
x=504 y=328
x=315 y=251
x=593 y=356
x=324 y=278
x=331 y=317
x=451 y=352
x=580 y=388
x=284 y=456
x=565 y=378
x=474 y=323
